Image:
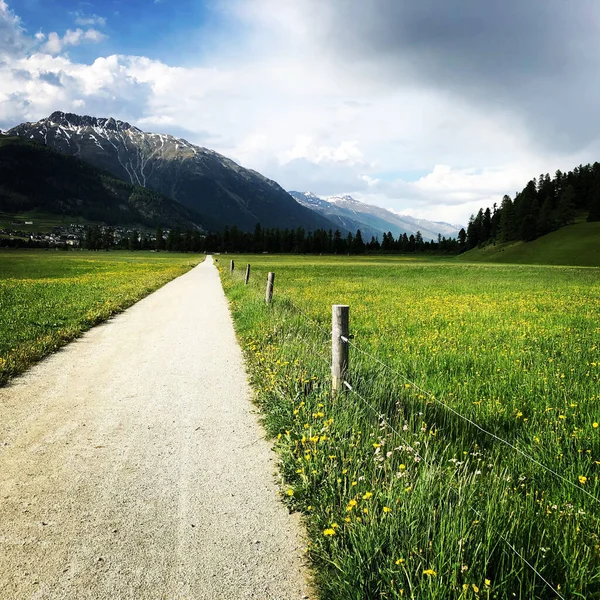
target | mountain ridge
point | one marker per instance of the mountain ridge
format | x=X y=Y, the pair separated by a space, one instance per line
x=199 y=178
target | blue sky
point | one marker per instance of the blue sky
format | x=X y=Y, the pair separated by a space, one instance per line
x=433 y=108
x=168 y=30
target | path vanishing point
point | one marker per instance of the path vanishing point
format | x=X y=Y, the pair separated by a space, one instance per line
x=132 y=465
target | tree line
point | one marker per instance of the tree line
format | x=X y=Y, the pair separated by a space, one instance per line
x=276 y=241
x=544 y=205
x=320 y=241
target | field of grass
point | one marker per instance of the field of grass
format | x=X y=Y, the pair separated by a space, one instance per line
x=48 y=298
x=577 y=244
x=402 y=497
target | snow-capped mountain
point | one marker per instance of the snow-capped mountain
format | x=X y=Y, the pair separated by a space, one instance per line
x=372 y=220
x=223 y=192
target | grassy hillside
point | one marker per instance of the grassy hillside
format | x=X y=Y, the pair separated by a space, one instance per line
x=577 y=244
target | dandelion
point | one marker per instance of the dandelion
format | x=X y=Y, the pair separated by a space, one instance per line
x=367 y=495
x=400 y=561
x=582 y=479
x=595 y=425
x=429 y=573
x=487 y=582
x=387 y=509
x=475 y=588
x=328 y=532
x=290 y=492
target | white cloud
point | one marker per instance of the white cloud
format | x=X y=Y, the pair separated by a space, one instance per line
x=84 y=21
x=73 y=37
x=275 y=100
x=346 y=152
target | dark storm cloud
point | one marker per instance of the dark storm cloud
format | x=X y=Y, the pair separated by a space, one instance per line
x=537 y=60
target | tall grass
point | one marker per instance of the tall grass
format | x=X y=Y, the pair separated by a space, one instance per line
x=402 y=497
x=49 y=298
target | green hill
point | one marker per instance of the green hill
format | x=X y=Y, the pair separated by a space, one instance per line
x=35 y=179
x=577 y=244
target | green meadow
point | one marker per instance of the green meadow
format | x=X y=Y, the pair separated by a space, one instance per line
x=48 y=298
x=464 y=463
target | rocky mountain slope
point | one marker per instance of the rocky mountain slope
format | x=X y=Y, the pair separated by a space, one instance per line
x=347 y=212
x=35 y=177
x=201 y=179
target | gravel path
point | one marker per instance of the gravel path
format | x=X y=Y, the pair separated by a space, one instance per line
x=132 y=465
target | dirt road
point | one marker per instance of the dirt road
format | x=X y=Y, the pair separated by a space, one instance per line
x=132 y=465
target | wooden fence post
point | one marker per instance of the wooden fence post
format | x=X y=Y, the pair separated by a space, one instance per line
x=247 y=278
x=340 y=322
x=270 y=282
x=231 y=266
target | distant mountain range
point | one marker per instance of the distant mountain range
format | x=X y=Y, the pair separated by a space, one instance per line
x=373 y=221
x=157 y=178
x=35 y=177
x=202 y=180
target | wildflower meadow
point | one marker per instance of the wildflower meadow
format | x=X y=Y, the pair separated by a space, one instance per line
x=462 y=459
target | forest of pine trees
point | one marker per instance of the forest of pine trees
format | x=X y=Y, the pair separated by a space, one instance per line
x=321 y=241
x=276 y=241
x=544 y=205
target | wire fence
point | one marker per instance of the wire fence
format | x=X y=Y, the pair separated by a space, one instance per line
x=316 y=352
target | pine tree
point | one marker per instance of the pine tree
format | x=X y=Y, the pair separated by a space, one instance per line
x=528 y=230
x=358 y=246
x=566 y=206
x=507 y=220
x=546 y=221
